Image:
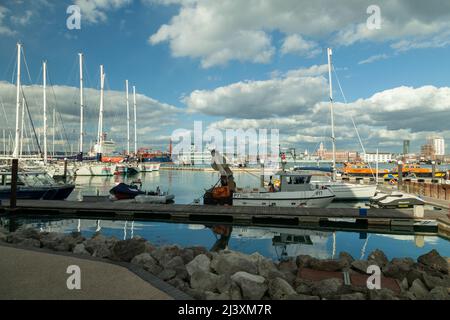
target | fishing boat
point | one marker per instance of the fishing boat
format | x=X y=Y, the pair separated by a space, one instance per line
x=294 y=190
x=34 y=186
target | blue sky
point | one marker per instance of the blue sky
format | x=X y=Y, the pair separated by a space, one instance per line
x=232 y=64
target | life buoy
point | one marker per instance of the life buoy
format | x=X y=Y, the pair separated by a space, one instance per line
x=392 y=181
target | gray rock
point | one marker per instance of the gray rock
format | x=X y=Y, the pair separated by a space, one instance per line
x=224 y=283
x=279 y=289
x=404 y=285
x=142 y=259
x=414 y=274
x=187 y=255
x=346 y=258
x=167 y=274
x=206 y=281
x=398 y=268
x=288 y=266
x=303 y=289
x=419 y=290
x=327 y=265
x=29 y=233
x=253 y=287
x=196 y=294
x=30 y=242
x=302 y=297
x=360 y=265
x=436 y=281
x=439 y=293
x=266 y=268
x=179 y=284
x=199 y=263
x=126 y=250
x=303 y=261
x=80 y=249
x=54 y=241
x=215 y=296
x=327 y=287
x=174 y=263
x=166 y=253
x=230 y=262
x=97 y=246
x=434 y=261
x=382 y=294
x=353 y=296
x=378 y=257
x=153 y=267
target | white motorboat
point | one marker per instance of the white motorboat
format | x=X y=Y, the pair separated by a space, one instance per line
x=295 y=190
x=396 y=200
x=149 y=167
x=348 y=191
x=90 y=169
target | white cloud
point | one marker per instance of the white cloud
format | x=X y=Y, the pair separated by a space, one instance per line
x=297 y=45
x=374 y=58
x=23 y=19
x=95 y=11
x=220 y=31
x=158 y=116
x=5 y=30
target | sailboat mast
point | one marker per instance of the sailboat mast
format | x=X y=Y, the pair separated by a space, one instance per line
x=21 y=128
x=135 y=121
x=128 y=119
x=44 y=80
x=333 y=138
x=100 y=119
x=17 y=137
x=81 y=108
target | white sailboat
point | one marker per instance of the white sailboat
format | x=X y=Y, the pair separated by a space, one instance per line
x=342 y=190
x=96 y=168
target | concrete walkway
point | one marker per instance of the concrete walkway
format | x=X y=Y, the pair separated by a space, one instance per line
x=30 y=274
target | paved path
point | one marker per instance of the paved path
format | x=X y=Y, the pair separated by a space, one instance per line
x=28 y=274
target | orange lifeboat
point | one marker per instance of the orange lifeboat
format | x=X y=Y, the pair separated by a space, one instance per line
x=360 y=169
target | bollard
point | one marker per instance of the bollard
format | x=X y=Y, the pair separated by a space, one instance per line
x=14 y=172
x=418 y=211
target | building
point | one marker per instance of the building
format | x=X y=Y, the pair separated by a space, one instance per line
x=438 y=144
x=406 y=147
x=427 y=152
x=381 y=157
x=341 y=156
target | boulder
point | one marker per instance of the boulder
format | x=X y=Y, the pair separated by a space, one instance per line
x=174 y=263
x=198 y=250
x=80 y=249
x=288 y=266
x=199 y=263
x=303 y=288
x=439 y=293
x=142 y=259
x=436 y=281
x=205 y=281
x=126 y=250
x=187 y=255
x=235 y=292
x=346 y=259
x=153 y=267
x=302 y=297
x=379 y=258
x=253 y=287
x=327 y=265
x=398 y=268
x=382 y=294
x=216 y=296
x=179 y=284
x=29 y=233
x=303 y=261
x=54 y=241
x=97 y=246
x=353 y=296
x=327 y=288
x=230 y=262
x=360 y=265
x=31 y=243
x=279 y=289
x=167 y=274
x=419 y=290
x=414 y=274
x=166 y=253
x=434 y=261
x=224 y=283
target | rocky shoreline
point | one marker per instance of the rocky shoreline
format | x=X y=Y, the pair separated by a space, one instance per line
x=230 y=275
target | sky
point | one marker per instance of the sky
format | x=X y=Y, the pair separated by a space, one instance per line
x=235 y=64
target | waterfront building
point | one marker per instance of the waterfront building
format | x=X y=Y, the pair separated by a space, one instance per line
x=382 y=157
x=406 y=147
x=438 y=144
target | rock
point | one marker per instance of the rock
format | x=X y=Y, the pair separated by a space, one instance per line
x=436 y=281
x=398 y=268
x=153 y=267
x=439 y=293
x=179 y=284
x=267 y=269
x=230 y=262
x=149 y=248
x=360 y=265
x=346 y=259
x=215 y=296
x=54 y=241
x=126 y=250
x=414 y=274
x=353 y=296
x=97 y=246
x=288 y=266
x=198 y=250
x=142 y=259
x=187 y=255
x=253 y=287
x=224 y=283
x=196 y=294
x=419 y=290
x=302 y=297
x=303 y=261
x=382 y=294
x=80 y=249
x=174 y=263
x=327 y=265
x=167 y=274
x=279 y=289
x=166 y=253
x=29 y=233
x=31 y=243
x=235 y=292
x=303 y=289
x=327 y=287
x=206 y=281
x=404 y=285
x=434 y=261
x=379 y=258
x=199 y=263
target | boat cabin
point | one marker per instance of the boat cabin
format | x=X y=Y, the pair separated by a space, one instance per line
x=294 y=182
x=27 y=179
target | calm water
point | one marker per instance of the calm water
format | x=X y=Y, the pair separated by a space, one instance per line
x=270 y=242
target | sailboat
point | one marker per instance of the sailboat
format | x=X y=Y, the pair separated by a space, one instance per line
x=342 y=190
x=93 y=168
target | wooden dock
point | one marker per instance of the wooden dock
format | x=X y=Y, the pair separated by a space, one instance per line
x=350 y=218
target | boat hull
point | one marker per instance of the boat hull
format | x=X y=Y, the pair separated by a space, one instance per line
x=308 y=199
x=349 y=192
x=94 y=170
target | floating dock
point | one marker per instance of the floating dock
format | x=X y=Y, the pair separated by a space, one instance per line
x=373 y=219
